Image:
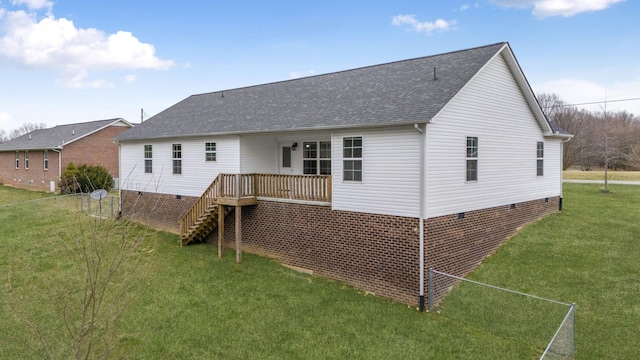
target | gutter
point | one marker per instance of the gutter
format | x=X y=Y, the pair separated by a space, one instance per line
x=422 y=206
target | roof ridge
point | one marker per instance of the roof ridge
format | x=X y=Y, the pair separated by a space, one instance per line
x=86 y=122
x=347 y=70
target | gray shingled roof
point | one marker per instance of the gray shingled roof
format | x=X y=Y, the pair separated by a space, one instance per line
x=393 y=93
x=56 y=136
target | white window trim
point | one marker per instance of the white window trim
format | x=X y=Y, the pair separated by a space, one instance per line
x=362 y=159
x=173 y=159
x=144 y=150
x=540 y=159
x=467 y=158
x=214 y=152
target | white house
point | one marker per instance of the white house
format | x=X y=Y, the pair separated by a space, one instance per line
x=368 y=176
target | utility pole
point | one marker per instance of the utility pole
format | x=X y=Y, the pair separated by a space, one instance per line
x=606 y=148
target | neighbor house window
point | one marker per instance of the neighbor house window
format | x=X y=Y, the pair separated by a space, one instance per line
x=472 y=158
x=26 y=159
x=210 y=151
x=148 y=159
x=45 y=157
x=540 y=157
x=17 y=160
x=177 y=159
x=352 y=158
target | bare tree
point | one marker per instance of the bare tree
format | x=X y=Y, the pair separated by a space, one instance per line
x=106 y=259
x=576 y=122
x=603 y=139
x=26 y=128
x=3 y=136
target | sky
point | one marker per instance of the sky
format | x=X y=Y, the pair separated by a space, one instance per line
x=70 y=61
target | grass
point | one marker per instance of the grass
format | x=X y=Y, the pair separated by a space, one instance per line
x=9 y=195
x=599 y=175
x=190 y=304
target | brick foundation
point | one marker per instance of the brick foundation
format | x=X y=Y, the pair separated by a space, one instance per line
x=375 y=253
x=160 y=211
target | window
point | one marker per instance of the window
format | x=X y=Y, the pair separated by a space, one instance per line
x=177 y=159
x=472 y=158
x=310 y=156
x=45 y=158
x=17 y=160
x=148 y=159
x=286 y=156
x=325 y=158
x=210 y=151
x=26 y=159
x=316 y=157
x=352 y=158
x=540 y=156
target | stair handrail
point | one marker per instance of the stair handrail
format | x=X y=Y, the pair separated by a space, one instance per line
x=208 y=199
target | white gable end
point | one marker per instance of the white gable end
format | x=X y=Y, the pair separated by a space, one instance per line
x=492 y=108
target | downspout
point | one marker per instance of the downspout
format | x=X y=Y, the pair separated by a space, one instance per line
x=421 y=192
x=560 y=201
x=59 y=151
x=119 y=179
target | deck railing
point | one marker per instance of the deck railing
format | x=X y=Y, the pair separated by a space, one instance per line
x=293 y=187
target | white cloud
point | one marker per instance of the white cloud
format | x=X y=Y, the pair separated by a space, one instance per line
x=566 y=8
x=580 y=91
x=55 y=43
x=427 y=26
x=299 y=74
x=78 y=79
x=130 y=78
x=465 y=7
x=5 y=118
x=34 y=4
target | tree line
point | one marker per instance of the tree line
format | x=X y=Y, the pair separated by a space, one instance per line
x=601 y=139
x=22 y=130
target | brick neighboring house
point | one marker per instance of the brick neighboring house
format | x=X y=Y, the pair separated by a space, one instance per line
x=369 y=176
x=35 y=161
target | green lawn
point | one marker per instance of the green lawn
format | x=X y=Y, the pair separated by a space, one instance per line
x=187 y=303
x=599 y=175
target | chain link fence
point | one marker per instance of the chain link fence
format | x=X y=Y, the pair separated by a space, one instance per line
x=107 y=207
x=527 y=319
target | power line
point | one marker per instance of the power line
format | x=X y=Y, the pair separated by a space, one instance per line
x=602 y=102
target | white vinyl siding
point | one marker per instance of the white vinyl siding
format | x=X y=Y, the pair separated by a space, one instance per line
x=493 y=108
x=390 y=176
x=197 y=173
x=258 y=154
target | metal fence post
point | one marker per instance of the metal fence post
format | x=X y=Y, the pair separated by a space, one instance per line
x=430 y=289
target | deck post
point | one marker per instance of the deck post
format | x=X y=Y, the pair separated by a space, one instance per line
x=220 y=230
x=238 y=234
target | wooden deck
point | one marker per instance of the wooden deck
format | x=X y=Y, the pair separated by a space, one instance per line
x=240 y=190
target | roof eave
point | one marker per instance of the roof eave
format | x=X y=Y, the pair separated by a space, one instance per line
x=271 y=131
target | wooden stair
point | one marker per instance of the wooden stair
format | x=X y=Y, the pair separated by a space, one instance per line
x=205 y=224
